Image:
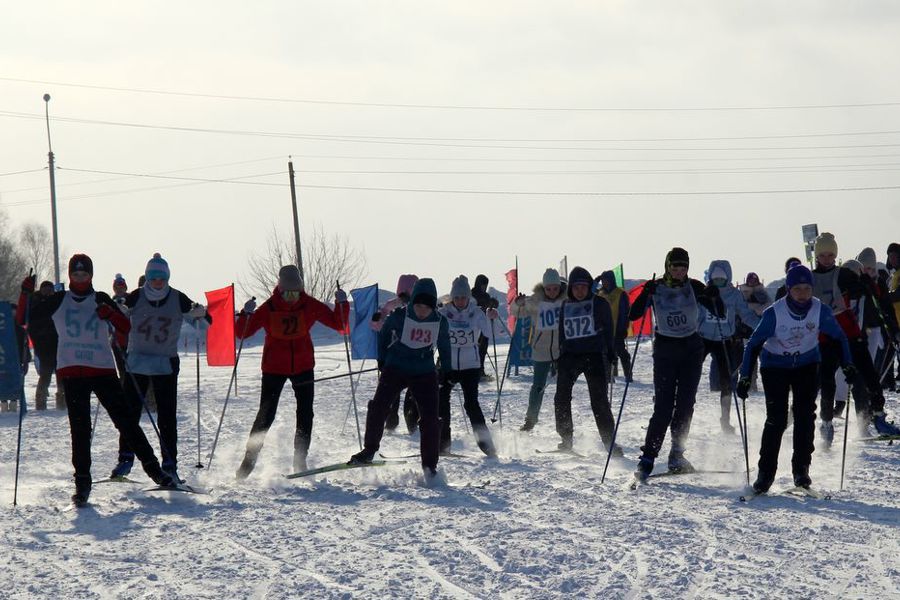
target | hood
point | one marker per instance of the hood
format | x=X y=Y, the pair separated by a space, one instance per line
x=424 y=286
x=481 y=282
x=578 y=275
x=721 y=264
x=608 y=278
x=538 y=290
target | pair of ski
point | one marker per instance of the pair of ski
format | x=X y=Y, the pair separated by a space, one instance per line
x=797 y=491
x=635 y=483
x=377 y=463
x=880 y=438
x=178 y=487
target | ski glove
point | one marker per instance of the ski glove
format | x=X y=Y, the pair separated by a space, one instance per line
x=743 y=388
x=520 y=300
x=249 y=306
x=340 y=296
x=28 y=284
x=711 y=291
x=197 y=312
x=492 y=313
x=105 y=311
x=849 y=373
x=650 y=287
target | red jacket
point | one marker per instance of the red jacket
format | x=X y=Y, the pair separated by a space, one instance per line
x=288 y=349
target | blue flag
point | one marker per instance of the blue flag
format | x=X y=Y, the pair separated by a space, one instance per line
x=12 y=382
x=363 y=341
x=520 y=345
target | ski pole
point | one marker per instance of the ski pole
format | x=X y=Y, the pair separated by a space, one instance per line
x=637 y=345
x=237 y=359
x=737 y=406
x=505 y=371
x=844 y=451
x=462 y=408
x=199 y=464
x=22 y=407
x=349 y=404
x=344 y=329
x=94 y=424
x=498 y=409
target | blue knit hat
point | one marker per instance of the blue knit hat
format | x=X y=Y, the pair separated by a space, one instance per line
x=798 y=275
x=157 y=268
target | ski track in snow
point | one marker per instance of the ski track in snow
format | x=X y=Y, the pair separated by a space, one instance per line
x=545 y=527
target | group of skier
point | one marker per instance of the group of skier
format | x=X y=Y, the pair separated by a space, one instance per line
x=825 y=318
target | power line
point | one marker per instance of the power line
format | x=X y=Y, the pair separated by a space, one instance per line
x=22 y=172
x=235 y=180
x=453 y=106
x=403 y=142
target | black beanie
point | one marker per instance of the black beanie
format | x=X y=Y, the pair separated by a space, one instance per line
x=81 y=262
x=791 y=262
x=893 y=247
x=678 y=257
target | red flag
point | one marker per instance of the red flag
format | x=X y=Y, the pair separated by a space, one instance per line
x=220 y=335
x=512 y=279
x=644 y=325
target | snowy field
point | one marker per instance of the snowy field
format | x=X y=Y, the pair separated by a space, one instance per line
x=543 y=528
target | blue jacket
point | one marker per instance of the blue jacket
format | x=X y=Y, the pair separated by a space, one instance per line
x=394 y=354
x=766 y=329
x=735 y=306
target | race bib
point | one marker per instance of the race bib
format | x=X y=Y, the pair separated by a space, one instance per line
x=461 y=333
x=417 y=334
x=547 y=316
x=578 y=319
x=287 y=325
x=155 y=329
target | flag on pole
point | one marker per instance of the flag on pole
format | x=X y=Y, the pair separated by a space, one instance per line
x=619 y=272
x=363 y=340
x=11 y=379
x=564 y=268
x=646 y=319
x=520 y=344
x=512 y=280
x=220 y=335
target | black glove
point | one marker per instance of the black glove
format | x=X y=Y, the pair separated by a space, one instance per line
x=850 y=373
x=376 y=316
x=650 y=287
x=711 y=291
x=743 y=388
x=28 y=284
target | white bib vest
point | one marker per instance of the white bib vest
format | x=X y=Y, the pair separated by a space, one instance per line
x=547 y=316
x=794 y=337
x=418 y=334
x=578 y=319
x=675 y=310
x=83 y=337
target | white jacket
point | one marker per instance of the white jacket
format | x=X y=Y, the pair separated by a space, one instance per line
x=467 y=325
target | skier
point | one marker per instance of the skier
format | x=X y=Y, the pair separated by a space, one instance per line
x=585 y=330
x=10 y=402
x=755 y=294
x=156 y=312
x=718 y=333
x=787 y=343
x=466 y=324
x=793 y=261
x=875 y=313
x=619 y=305
x=43 y=337
x=406 y=358
x=287 y=316
x=120 y=348
x=543 y=309
x=85 y=364
x=484 y=301
x=404 y=289
x=677 y=356
x=836 y=287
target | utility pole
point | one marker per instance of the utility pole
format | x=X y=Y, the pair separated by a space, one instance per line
x=296 y=217
x=52 y=192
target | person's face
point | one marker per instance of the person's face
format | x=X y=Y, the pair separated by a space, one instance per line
x=871 y=272
x=753 y=281
x=720 y=282
x=460 y=302
x=423 y=311
x=46 y=290
x=894 y=260
x=678 y=272
x=801 y=293
x=826 y=259
x=80 y=277
x=551 y=291
x=157 y=284
x=580 y=291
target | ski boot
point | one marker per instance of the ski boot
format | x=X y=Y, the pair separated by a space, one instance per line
x=299 y=461
x=60 y=399
x=172 y=469
x=528 y=425
x=878 y=421
x=246 y=467
x=801 y=477
x=617 y=451
x=4 y=406
x=678 y=463
x=763 y=482
x=13 y=406
x=839 y=406
x=82 y=490
x=565 y=445
x=826 y=430
x=40 y=399
x=644 y=468
x=123 y=467
x=363 y=457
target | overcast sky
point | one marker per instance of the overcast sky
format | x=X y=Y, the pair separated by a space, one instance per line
x=469 y=68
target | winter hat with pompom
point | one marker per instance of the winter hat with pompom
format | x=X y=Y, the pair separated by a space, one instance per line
x=825 y=243
x=460 y=287
x=551 y=277
x=157 y=268
x=867 y=258
x=798 y=275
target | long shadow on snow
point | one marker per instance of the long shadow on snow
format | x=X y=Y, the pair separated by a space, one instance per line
x=450 y=497
x=89 y=522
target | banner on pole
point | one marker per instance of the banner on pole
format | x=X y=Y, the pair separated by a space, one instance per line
x=512 y=280
x=647 y=319
x=363 y=340
x=520 y=345
x=220 y=335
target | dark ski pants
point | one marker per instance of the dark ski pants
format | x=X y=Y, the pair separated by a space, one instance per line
x=725 y=360
x=624 y=357
x=110 y=395
x=482 y=351
x=424 y=389
x=536 y=393
x=595 y=367
x=270 y=393
x=165 y=389
x=831 y=360
x=677 y=365
x=410 y=413
x=778 y=384
x=468 y=380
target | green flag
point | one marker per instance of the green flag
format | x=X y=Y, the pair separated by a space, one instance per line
x=620 y=276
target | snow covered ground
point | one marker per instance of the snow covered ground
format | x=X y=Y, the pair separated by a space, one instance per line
x=544 y=527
